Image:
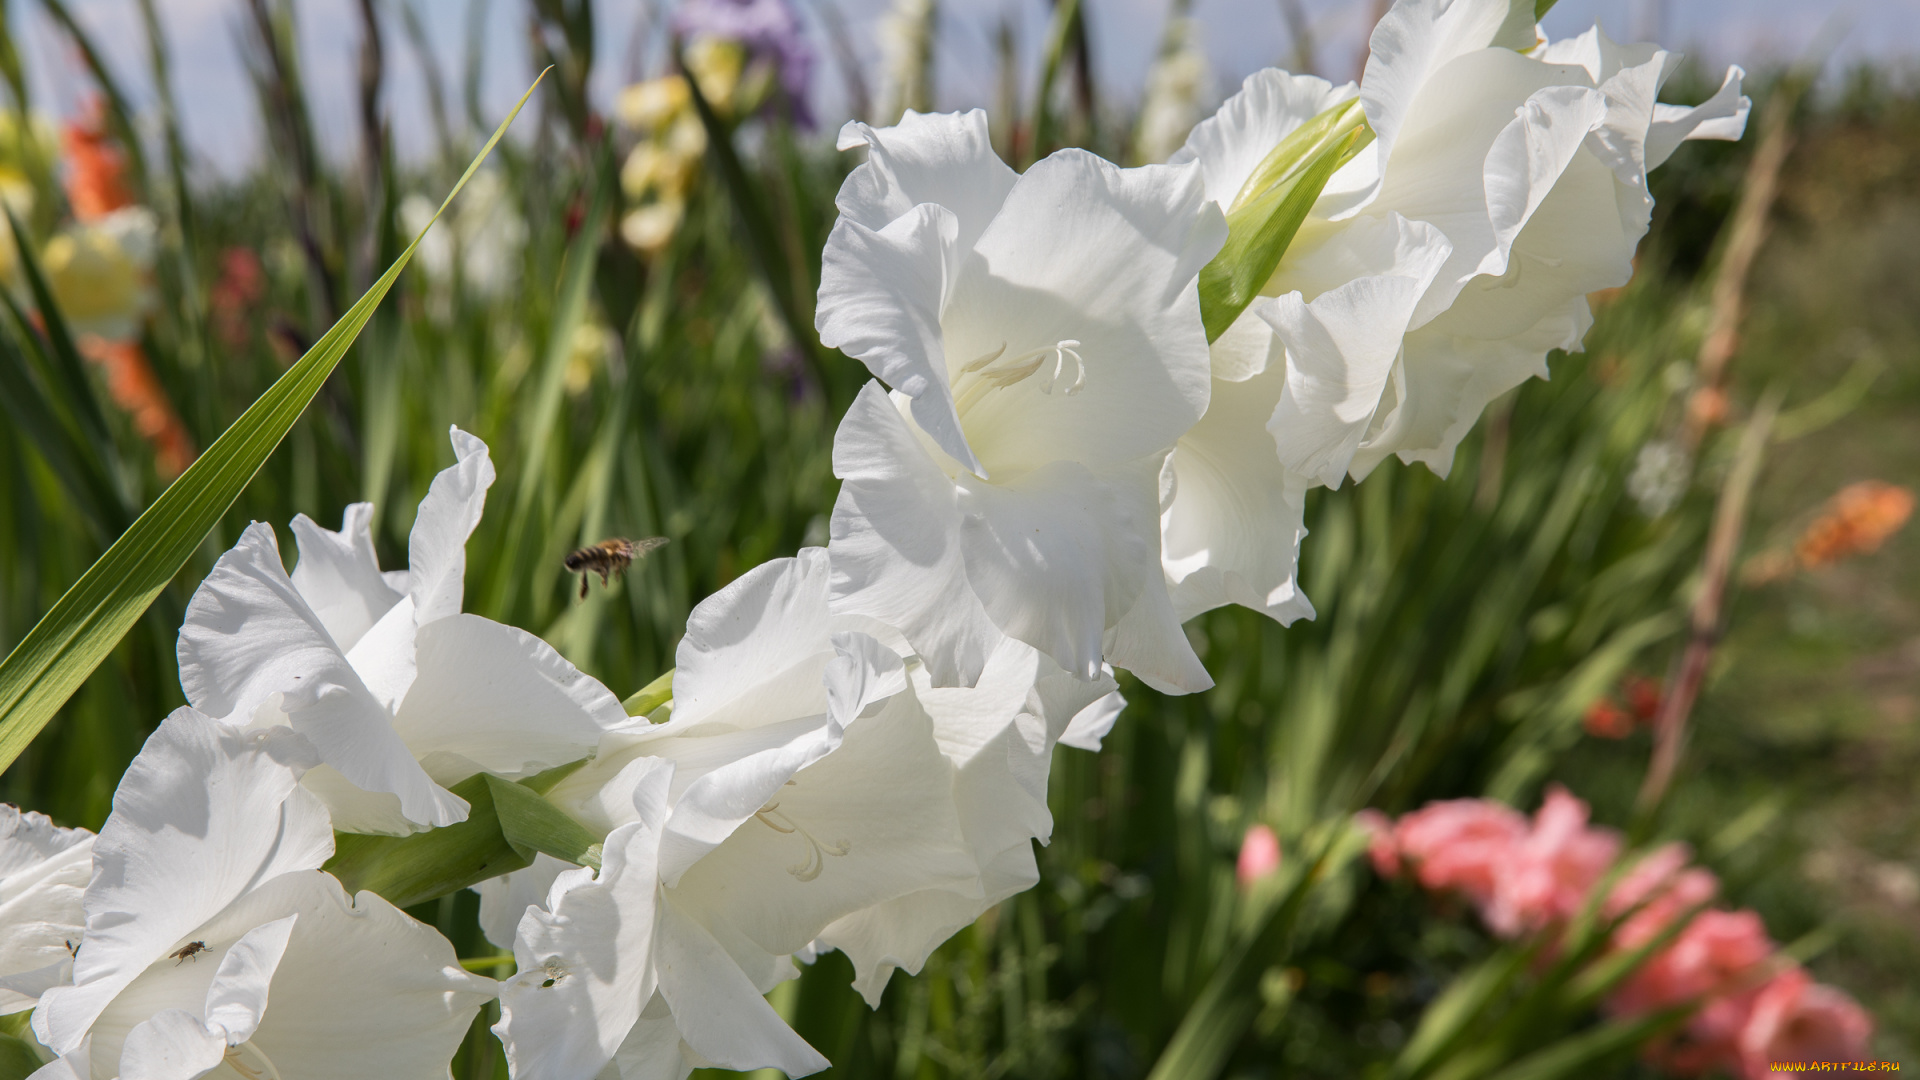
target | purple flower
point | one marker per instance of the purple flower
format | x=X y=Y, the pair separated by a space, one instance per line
x=769 y=30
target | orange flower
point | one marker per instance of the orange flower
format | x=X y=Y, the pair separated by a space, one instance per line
x=95 y=166
x=131 y=382
x=1857 y=521
x=1643 y=696
x=1605 y=719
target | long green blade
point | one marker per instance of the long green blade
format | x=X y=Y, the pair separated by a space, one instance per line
x=67 y=643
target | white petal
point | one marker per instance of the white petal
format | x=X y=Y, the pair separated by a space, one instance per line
x=69 y=1067
x=1413 y=41
x=896 y=554
x=1449 y=381
x=872 y=820
x=654 y=1049
x=772 y=619
x=1600 y=55
x=1091 y=724
x=1088 y=253
x=899 y=934
x=172 y=1045
x=237 y=998
x=1722 y=116
x=717 y=1010
x=1271 y=104
x=881 y=294
x=339 y=576
x=437 y=548
x=1526 y=161
x=862 y=672
x=28 y=838
x=1248 y=347
x=713 y=807
x=1148 y=642
x=500 y=700
x=361 y=989
x=43 y=872
x=383 y=657
x=587 y=958
x=202 y=815
x=1053 y=556
x=503 y=900
x=1340 y=351
x=1232 y=534
x=940 y=158
x=1147 y=639
x=248 y=636
x=1472 y=167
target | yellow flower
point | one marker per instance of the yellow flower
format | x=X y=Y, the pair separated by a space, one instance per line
x=654 y=103
x=652 y=167
x=587 y=353
x=17 y=193
x=649 y=227
x=99 y=273
x=716 y=64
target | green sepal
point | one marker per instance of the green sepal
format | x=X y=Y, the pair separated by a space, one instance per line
x=543 y=782
x=531 y=824
x=651 y=696
x=1271 y=207
x=507 y=824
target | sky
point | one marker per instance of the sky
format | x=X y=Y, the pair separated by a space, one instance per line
x=1240 y=36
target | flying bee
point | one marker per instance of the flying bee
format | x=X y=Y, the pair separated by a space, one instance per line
x=187 y=952
x=609 y=557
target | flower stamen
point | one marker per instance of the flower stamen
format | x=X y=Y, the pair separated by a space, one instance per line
x=996 y=371
x=817 y=852
x=251 y=1062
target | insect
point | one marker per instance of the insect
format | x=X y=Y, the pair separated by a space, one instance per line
x=187 y=952
x=609 y=557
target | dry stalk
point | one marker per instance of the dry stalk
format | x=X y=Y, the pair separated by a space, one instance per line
x=1709 y=604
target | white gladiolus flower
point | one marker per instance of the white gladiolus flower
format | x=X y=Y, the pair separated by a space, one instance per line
x=212 y=939
x=808 y=791
x=400 y=692
x=1042 y=337
x=43 y=870
x=1506 y=181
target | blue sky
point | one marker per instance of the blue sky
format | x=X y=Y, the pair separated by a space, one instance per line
x=1240 y=36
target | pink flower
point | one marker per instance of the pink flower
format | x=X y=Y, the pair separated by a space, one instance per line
x=1259 y=855
x=1715 y=955
x=1797 y=1019
x=1551 y=871
x=1462 y=844
x=1380 y=844
x=1660 y=889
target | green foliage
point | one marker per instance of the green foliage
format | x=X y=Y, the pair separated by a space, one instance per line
x=64 y=647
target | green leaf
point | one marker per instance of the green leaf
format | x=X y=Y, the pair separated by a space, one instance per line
x=1214 y=1024
x=17 y=1059
x=651 y=696
x=1578 y=1055
x=507 y=825
x=86 y=623
x=1271 y=207
x=1447 y=1021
